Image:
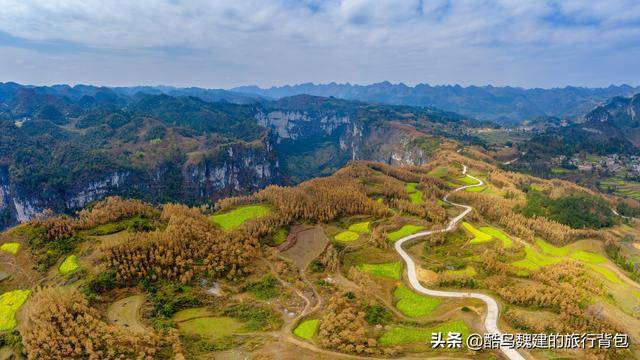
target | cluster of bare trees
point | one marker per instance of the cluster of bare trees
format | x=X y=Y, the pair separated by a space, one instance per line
x=429 y=209
x=111 y=209
x=189 y=245
x=563 y=288
x=56 y=228
x=344 y=328
x=59 y=324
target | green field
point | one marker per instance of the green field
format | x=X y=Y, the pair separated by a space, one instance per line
x=580 y=255
x=347 y=236
x=534 y=260
x=415 y=195
x=211 y=328
x=552 y=250
x=69 y=265
x=404 y=231
x=391 y=270
x=439 y=172
x=467 y=180
x=479 y=237
x=192 y=313
x=361 y=227
x=476 y=189
x=550 y=255
x=506 y=240
x=412 y=304
x=307 y=329
x=236 y=217
x=11 y=247
x=410 y=335
x=410 y=187
x=606 y=273
x=10 y=303
x=588 y=257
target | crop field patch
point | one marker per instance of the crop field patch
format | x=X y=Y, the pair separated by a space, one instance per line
x=476 y=189
x=310 y=243
x=413 y=304
x=415 y=195
x=10 y=247
x=307 y=329
x=399 y=335
x=479 y=237
x=404 y=231
x=467 y=180
x=10 y=303
x=347 y=236
x=361 y=227
x=606 y=273
x=506 y=240
x=534 y=260
x=238 y=216
x=192 y=313
x=550 y=255
x=211 y=328
x=69 y=265
x=392 y=270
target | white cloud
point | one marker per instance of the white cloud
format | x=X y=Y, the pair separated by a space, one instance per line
x=232 y=42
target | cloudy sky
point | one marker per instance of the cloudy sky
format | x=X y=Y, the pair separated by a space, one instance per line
x=225 y=43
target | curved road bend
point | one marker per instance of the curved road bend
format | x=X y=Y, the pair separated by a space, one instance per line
x=491 y=320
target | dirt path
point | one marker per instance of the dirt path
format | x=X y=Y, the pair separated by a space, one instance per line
x=493 y=312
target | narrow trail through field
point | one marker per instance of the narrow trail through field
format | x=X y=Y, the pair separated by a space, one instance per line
x=493 y=312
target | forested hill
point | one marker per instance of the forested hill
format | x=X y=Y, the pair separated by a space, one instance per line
x=612 y=128
x=508 y=105
x=64 y=147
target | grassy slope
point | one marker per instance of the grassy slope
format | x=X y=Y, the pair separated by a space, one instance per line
x=404 y=231
x=412 y=304
x=479 y=237
x=409 y=335
x=391 y=270
x=506 y=240
x=236 y=217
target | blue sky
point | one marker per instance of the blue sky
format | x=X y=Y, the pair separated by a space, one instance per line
x=226 y=43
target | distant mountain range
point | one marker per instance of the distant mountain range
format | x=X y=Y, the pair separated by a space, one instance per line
x=506 y=105
x=63 y=147
x=613 y=127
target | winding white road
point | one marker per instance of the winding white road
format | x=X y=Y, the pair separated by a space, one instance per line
x=493 y=312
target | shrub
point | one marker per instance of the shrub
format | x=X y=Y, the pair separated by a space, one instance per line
x=265 y=288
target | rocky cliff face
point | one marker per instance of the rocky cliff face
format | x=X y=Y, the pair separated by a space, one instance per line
x=234 y=169
x=317 y=143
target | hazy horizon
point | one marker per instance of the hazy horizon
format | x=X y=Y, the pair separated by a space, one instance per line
x=233 y=88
